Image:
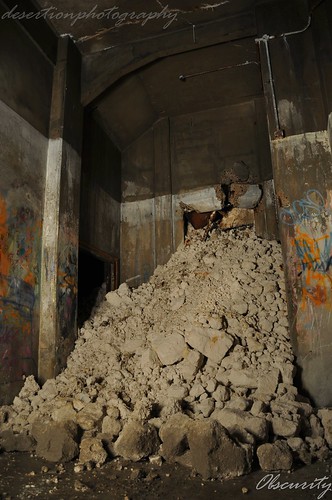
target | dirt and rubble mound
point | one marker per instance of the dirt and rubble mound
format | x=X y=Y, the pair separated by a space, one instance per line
x=194 y=367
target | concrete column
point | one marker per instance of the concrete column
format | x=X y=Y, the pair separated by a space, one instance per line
x=302 y=168
x=58 y=305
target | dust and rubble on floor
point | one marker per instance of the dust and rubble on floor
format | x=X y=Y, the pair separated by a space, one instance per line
x=194 y=367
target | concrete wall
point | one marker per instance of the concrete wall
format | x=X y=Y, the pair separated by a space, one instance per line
x=25 y=91
x=40 y=133
x=100 y=191
x=302 y=168
x=184 y=158
x=303 y=171
x=58 y=325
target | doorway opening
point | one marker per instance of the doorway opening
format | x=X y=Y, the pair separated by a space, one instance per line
x=97 y=275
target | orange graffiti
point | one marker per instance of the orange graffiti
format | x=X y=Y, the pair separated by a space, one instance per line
x=315 y=264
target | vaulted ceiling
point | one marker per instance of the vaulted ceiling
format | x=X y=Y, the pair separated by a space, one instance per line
x=134 y=52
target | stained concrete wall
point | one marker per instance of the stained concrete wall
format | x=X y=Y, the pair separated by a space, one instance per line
x=100 y=192
x=25 y=91
x=303 y=171
x=184 y=158
x=302 y=168
x=58 y=325
x=22 y=164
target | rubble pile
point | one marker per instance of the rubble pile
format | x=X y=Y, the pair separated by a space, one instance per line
x=193 y=367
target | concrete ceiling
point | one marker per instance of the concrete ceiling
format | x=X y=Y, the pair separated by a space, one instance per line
x=131 y=64
x=122 y=22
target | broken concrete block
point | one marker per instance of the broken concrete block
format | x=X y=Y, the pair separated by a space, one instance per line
x=284 y=427
x=177 y=392
x=232 y=419
x=288 y=372
x=237 y=217
x=245 y=195
x=64 y=414
x=221 y=393
x=258 y=408
x=300 y=450
x=240 y=307
x=325 y=416
x=197 y=390
x=111 y=426
x=56 y=442
x=244 y=378
x=238 y=403
x=275 y=456
x=49 y=390
x=92 y=451
x=174 y=436
x=206 y=407
x=90 y=416
x=315 y=427
x=149 y=360
x=170 y=349
x=114 y=299
x=214 y=344
x=137 y=441
x=9 y=441
x=214 y=454
x=268 y=383
x=29 y=389
x=191 y=364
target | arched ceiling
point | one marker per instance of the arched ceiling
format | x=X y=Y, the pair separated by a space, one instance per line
x=134 y=52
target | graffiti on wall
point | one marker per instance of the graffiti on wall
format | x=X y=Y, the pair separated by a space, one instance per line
x=311 y=206
x=67 y=286
x=19 y=245
x=315 y=262
x=311 y=220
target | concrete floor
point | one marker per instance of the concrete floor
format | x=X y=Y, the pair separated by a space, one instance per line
x=27 y=477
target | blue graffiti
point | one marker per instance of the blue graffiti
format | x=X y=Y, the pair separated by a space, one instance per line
x=310 y=206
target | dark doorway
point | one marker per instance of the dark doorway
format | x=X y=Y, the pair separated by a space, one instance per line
x=92 y=273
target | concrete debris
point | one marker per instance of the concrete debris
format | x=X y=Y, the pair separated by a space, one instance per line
x=92 y=451
x=326 y=417
x=10 y=442
x=214 y=455
x=275 y=456
x=56 y=442
x=174 y=436
x=195 y=366
x=137 y=441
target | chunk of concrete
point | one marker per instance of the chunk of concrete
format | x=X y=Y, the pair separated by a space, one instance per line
x=232 y=419
x=214 y=344
x=275 y=456
x=137 y=441
x=90 y=416
x=247 y=378
x=56 y=442
x=111 y=426
x=92 y=451
x=23 y=442
x=174 y=436
x=191 y=364
x=170 y=349
x=284 y=427
x=325 y=416
x=214 y=454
